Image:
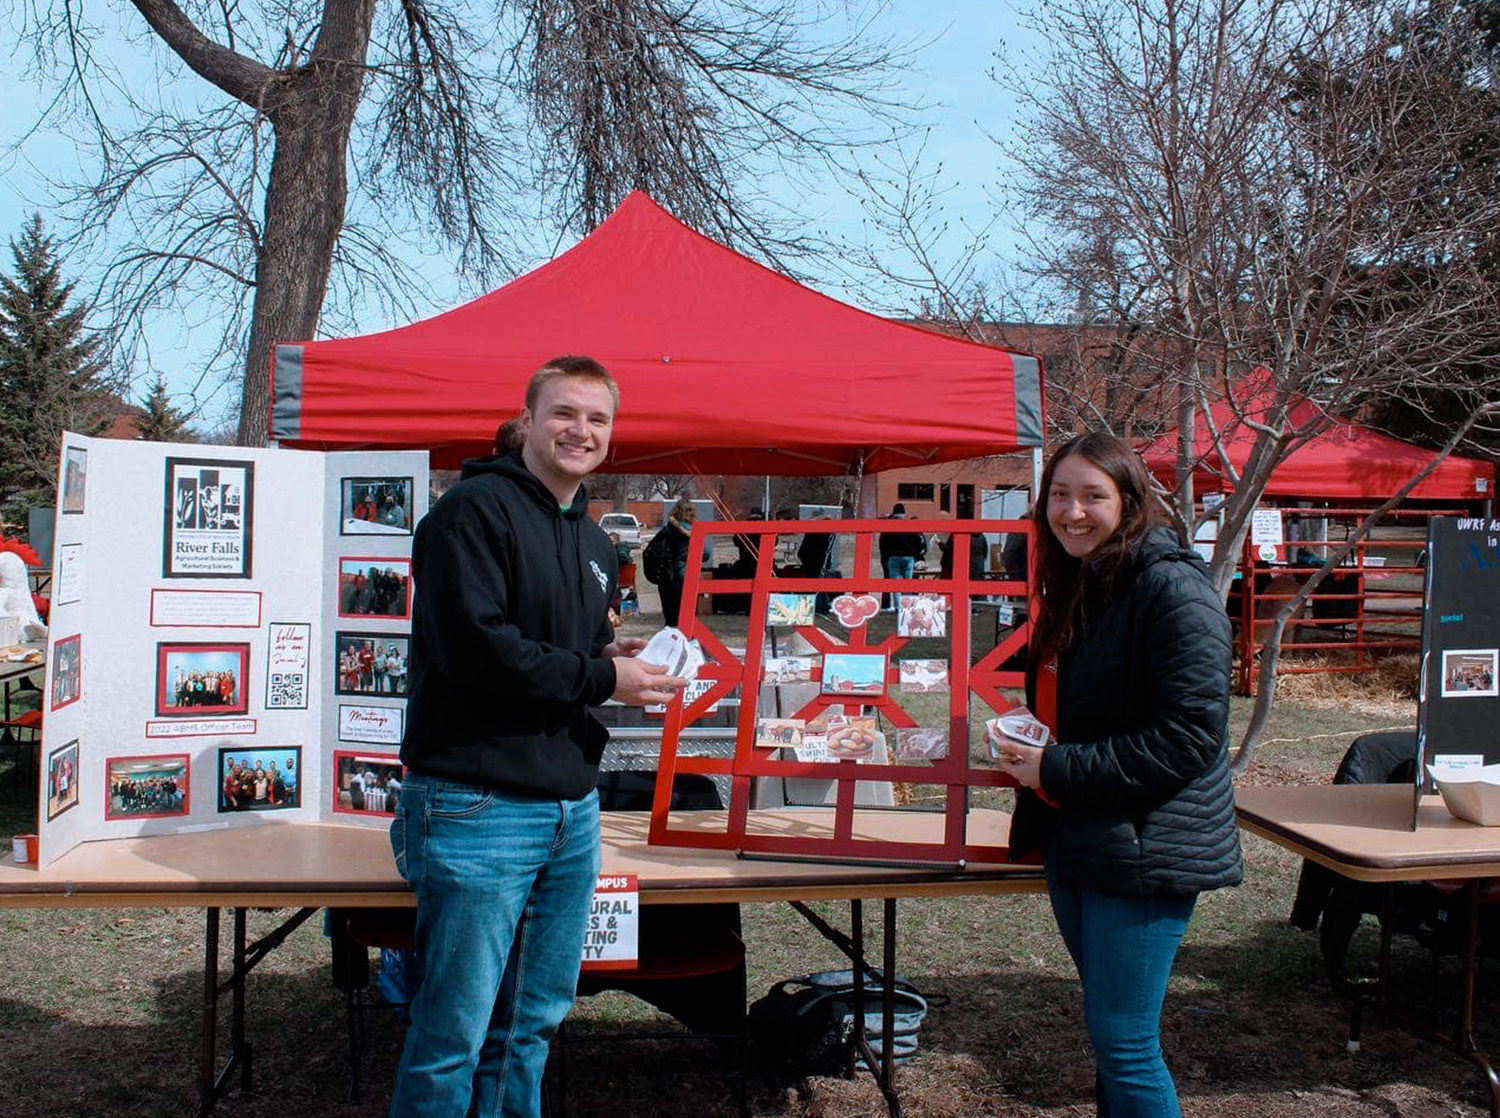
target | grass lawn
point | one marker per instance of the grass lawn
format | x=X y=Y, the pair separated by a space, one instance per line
x=99 y=1008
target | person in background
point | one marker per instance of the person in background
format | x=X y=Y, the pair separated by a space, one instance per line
x=508 y=437
x=1013 y=552
x=747 y=548
x=679 y=529
x=1129 y=666
x=497 y=826
x=979 y=553
x=899 y=552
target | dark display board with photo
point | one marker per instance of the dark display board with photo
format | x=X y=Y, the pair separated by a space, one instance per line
x=1458 y=720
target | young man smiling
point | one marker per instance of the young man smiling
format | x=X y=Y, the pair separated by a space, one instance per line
x=497 y=827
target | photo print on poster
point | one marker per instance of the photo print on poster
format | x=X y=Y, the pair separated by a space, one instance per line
x=369 y=664
x=267 y=778
x=922 y=615
x=75 y=479
x=374 y=587
x=209 y=506
x=288 y=654
x=921 y=743
x=146 y=787
x=778 y=733
x=202 y=680
x=67 y=670
x=1470 y=673
x=853 y=673
x=366 y=783
x=787 y=610
x=854 y=739
x=375 y=506
x=919 y=676
x=783 y=670
x=62 y=779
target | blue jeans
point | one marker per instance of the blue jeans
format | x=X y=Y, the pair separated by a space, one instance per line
x=1123 y=948
x=503 y=884
x=899 y=566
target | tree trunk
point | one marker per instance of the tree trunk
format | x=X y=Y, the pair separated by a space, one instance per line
x=305 y=202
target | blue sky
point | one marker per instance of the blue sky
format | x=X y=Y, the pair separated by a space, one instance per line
x=950 y=73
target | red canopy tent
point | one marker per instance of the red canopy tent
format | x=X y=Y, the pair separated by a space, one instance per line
x=1346 y=462
x=725 y=367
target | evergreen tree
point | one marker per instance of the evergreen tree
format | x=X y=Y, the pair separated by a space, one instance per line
x=162 y=422
x=51 y=373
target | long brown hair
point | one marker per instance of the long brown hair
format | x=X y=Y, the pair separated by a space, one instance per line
x=1061 y=580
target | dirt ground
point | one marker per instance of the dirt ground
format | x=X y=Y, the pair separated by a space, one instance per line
x=99 y=1009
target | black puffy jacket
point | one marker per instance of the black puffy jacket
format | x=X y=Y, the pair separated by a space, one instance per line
x=1139 y=767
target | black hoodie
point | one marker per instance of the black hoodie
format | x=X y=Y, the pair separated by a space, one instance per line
x=510 y=617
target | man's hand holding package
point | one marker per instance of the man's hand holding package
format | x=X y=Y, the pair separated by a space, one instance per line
x=638 y=683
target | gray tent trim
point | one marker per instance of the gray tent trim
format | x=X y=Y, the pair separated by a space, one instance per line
x=1027 y=372
x=286 y=408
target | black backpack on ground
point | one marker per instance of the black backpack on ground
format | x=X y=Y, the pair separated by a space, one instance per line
x=654 y=557
x=804 y=1026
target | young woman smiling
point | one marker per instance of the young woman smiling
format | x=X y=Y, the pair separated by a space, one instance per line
x=1129 y=665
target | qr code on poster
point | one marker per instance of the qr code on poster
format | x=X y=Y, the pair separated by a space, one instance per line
x=288 y=691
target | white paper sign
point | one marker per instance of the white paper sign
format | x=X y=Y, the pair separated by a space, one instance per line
x=372 y=725
x=695 y=688
x=611 y=939
x=288 y=646
x=205 y=609
x=1458 y=762
x=1265 y=527
x=813 y=749
x=199 y=727
x=1211 y=501
x=69 y=573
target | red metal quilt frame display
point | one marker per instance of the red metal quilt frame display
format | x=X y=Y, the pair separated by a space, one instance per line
x=955 y=773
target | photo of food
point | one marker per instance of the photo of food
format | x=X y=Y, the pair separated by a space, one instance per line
x=201 y=680
x=778 y=733
x=853 y=739
x=922 y=615
x=146 y=787
x=919 y=676
x=921 y=743
x=853 y=673
x=1469 y=673
x=787 y=610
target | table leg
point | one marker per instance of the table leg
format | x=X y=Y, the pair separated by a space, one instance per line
x=239 y=1046
x=1464 y=1032
x=882 y=1068
x=1461 y=1039
x=212 y=1087
x=208 y=1040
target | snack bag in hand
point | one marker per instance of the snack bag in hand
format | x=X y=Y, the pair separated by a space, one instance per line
x=1018 y=724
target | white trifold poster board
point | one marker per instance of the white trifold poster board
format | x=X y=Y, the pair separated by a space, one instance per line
x=228 y=640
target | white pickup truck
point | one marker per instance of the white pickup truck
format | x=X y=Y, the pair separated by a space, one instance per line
x=623 y=524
